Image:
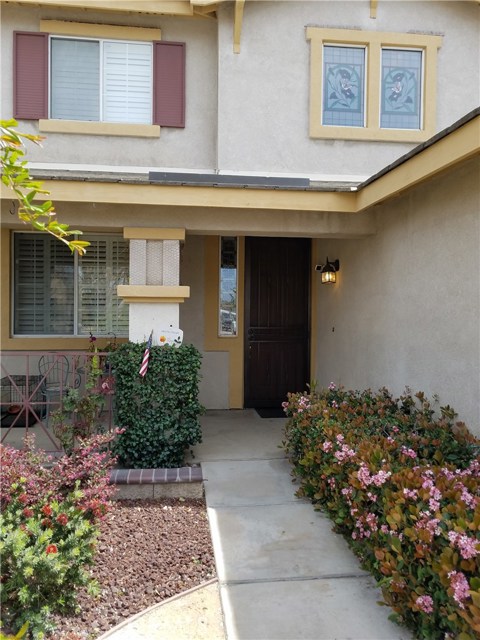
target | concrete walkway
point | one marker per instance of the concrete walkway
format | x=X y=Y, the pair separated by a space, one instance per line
x=283 y=573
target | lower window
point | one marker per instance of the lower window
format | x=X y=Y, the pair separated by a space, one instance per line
x=56 y=292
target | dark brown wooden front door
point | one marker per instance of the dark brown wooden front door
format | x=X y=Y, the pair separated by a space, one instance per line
x=277 y=285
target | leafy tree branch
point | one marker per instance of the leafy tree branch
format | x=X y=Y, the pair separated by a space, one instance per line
x=15 y=175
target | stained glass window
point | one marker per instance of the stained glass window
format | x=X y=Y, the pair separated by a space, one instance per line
x=343 y=86
x=401 y=89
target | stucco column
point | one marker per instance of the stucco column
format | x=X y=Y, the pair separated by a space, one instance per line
x=154 y=292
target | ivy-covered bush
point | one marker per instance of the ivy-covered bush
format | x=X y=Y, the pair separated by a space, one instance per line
x=404 y=489
x=160 y=411
x=48 y=527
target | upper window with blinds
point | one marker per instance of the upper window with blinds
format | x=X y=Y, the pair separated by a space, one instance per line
x=113 y=83
x=57 y=293
x=98 y=80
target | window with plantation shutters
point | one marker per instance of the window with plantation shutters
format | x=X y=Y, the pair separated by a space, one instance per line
x=99 y=80
x=57 y=293
x=43 y=286
x=101 y=269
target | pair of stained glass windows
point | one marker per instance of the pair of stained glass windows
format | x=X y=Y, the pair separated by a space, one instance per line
x=344 y=87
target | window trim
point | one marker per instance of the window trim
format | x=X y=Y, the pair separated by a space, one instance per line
x=373 y=41
x=56 y=336
x=98 y=32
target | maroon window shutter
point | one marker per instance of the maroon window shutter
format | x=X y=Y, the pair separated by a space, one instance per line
x=169 y=84
x=30 y=75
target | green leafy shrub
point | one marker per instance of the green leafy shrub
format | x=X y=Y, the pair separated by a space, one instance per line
x=160 y=411
x=48 y=527
x=404 y=489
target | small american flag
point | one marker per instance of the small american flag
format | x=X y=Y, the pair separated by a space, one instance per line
x=146 y=357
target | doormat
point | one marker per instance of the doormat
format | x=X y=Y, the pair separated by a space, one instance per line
x=271 y=412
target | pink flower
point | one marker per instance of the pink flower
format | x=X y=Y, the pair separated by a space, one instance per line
x=410 y=453
x=332 y=386
x=425 y=604
x=363 y=474
x=345 y=453
x=327 y=446
x=372 y=521
x=467 y=545
x=460 y=586
x=410 y=493
x=381 y=477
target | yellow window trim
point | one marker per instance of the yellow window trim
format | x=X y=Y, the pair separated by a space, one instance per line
x=100 y=128
x=152 y=233
x=91 y=30
x=152 y=293
x=233 y=345
x=373 y=41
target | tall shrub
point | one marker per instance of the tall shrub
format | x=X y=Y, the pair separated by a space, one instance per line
x=160 y=411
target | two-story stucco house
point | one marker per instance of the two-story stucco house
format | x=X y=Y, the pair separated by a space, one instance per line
x=215 y=154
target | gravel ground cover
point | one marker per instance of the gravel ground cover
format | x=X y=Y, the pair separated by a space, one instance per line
x=148 y=551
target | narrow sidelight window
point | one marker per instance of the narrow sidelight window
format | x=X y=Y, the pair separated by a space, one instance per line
x=228 y=286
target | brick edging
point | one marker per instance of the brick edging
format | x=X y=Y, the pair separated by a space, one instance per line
x=156 y=476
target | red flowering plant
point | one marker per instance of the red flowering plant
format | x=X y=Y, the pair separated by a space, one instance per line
x=49 y=524
x=404 y=489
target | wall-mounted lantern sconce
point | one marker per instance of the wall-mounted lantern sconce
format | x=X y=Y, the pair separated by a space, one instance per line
x=328 y=271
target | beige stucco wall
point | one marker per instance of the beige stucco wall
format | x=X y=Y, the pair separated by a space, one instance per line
x=261 y=95
x=264 y=90
x=191 y=148
x=406 y=309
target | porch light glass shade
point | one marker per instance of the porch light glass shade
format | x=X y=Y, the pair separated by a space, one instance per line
x=329 y=277
x=328 y=271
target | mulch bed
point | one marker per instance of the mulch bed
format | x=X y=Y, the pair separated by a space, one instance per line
x=148 y=551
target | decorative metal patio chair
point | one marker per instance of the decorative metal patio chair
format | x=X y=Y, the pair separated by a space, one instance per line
x=54 y=370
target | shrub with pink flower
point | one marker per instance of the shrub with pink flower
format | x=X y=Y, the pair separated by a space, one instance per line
x=404 y=488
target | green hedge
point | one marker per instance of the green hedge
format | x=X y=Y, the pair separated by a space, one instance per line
x=404 y=489
x=160 y=411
